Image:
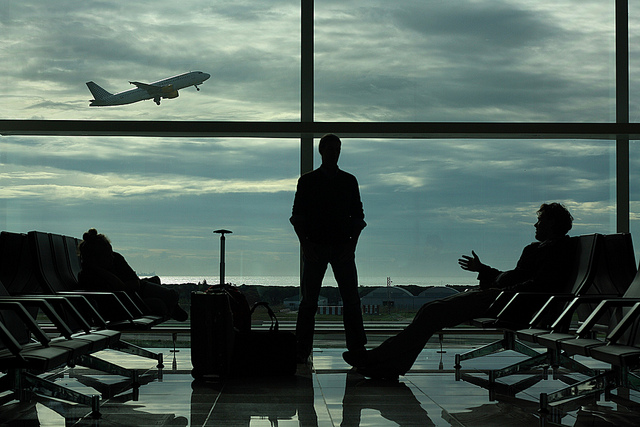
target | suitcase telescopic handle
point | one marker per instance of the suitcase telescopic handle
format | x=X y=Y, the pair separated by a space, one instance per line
x=222 y=240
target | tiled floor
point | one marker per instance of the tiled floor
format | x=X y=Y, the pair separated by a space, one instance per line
x=327 y=395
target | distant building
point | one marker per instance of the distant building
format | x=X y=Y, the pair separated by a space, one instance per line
x=401 y=299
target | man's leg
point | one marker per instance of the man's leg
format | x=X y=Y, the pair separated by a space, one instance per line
x=312 y=275
x=347 y=277
x=397 y=354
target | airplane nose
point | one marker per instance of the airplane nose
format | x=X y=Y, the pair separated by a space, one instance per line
x=206 y=76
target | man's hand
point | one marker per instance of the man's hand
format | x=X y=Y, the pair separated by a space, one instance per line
x=470 y=263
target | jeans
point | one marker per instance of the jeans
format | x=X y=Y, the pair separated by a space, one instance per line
x=398 y=353
x=344 y=270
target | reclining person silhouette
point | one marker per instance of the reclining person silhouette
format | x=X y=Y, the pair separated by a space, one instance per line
x=544 y=266
x=106 y=270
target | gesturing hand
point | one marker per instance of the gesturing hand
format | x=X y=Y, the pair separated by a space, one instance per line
x=470 y=263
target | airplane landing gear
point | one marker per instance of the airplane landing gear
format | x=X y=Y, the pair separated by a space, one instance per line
x=157 y=100
x=197 y=88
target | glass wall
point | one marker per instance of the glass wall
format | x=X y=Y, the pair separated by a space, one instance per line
x=426 y=201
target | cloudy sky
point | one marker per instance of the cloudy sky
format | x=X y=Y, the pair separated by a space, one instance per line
x=426 y=202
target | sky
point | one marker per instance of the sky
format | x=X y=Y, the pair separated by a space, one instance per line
x=426 y=201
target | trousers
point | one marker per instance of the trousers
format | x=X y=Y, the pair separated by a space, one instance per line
x=345 y=273
x=398 y=353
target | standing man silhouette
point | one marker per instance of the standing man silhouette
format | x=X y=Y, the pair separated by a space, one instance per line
x=328 y=218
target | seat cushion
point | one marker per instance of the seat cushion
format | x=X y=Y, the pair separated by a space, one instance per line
x=618 y=355
x=581 y=346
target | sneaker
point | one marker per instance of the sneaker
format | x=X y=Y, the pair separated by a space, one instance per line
x=306 y=360
x=355 y=358
x=179 y=314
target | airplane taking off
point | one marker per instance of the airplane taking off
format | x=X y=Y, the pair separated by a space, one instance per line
x=167 y=89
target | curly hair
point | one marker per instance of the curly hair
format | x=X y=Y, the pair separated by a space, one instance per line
x=93 y=244
x=563 y=221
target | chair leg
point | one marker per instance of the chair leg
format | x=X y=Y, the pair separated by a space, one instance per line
x=90 y=361
x=524 y=365
x=138 y=351
x=485 y=350
x=34 y=384
x=591 y=386
x=508 y=342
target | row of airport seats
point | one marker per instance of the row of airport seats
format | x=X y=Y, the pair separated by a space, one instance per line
x=597 y=316
x=38 y=274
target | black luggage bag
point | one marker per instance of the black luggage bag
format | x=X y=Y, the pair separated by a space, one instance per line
x=265 y=353
x=223 y=344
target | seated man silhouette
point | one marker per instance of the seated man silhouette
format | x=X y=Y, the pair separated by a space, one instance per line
x=106 y=270
x=544 y=266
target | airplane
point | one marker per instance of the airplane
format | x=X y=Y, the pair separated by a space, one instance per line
x=167 y=89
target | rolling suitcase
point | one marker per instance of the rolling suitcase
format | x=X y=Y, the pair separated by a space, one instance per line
x=212 y=334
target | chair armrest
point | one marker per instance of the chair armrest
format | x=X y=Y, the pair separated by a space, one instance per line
x=523 y=307
x=561 y=324
x=601 y=310
x=116 y=310
x=82 y=305
x=9 y=341
x=549 y=312
x=65 y=305
x=29 y=321
x=499 y=303
x=629 y=320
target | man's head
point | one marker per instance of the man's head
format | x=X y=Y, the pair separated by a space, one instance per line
x=554 y=220
x=329 y=149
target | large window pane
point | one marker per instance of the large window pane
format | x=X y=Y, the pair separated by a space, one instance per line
x=463 y=60
x=429 y=201
x=50 y=49
x=159 y=199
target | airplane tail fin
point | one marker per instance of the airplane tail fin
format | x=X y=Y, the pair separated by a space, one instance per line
x=97 y=92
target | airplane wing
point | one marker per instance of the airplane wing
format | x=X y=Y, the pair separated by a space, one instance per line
x=151 y=89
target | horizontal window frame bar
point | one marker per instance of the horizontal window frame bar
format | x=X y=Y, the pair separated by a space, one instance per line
x=382 y=130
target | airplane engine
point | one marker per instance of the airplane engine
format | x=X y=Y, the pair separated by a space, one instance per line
x=168 y=92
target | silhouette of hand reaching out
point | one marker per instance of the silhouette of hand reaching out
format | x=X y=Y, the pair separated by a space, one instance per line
x=470 y=263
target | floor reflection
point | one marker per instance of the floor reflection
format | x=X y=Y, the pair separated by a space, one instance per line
x=394 y=400
x=238 y=401
x=328 y=395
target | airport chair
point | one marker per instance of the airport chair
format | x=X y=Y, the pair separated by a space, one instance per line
x=81 y=341
x=24 y=361
x=614 y=278
x=118 y=308
x=513 y=311
x=620 y=349
x=613 y=271
x=24 y=276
